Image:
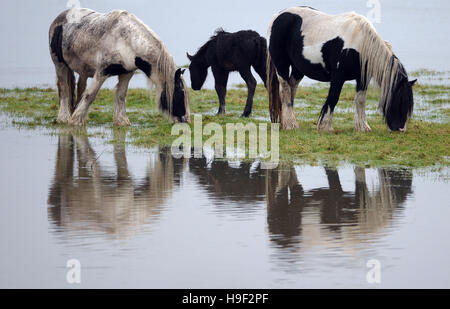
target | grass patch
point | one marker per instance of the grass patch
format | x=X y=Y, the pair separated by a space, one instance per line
x=425 y=143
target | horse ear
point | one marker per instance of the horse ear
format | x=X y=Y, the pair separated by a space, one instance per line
x=178 y=73
x=189 y=56
x=412 y=82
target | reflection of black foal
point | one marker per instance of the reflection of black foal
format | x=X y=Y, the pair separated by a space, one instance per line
x=226 y=52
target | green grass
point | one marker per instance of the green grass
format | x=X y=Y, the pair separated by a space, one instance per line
x=426 y=142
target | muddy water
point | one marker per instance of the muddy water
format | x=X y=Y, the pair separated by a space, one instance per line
x=140 y=218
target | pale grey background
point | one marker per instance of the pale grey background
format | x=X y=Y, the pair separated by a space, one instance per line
x=418 y=30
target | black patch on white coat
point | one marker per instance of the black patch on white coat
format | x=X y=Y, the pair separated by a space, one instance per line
x=286 y=49
x=115 y=69
x=143 y=65
x=331 y=53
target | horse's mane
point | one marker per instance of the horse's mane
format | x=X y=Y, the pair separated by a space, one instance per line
x=166 y=68
x=377 y=59
x=204 y=47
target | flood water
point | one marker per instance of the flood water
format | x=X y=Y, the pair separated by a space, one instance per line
x=140 y=218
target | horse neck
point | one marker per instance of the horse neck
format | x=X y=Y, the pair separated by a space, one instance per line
x=389 y=81
x=200 y=56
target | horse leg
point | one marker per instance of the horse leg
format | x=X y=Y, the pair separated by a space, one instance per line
x=65 y=81
x=326 y=115
x=221 y=80
x=79 y=115
x=251 y=86
x=360 y=110
x=120 y=157
x=120 y=115
x=288 y=120
x=81 y=87
x=334 y=183
x=294 y=80
x=262 y=72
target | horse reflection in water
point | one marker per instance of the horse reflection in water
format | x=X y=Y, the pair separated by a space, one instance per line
x=300 y=220
x=89 y=198
x=243 y=184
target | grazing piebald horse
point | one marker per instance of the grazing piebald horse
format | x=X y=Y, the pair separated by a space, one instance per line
x=226 y=52
x=333 y=48
x=114 y=44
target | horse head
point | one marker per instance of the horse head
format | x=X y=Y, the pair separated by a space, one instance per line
x=198 y=70
x=180 y=107
x=401 y=106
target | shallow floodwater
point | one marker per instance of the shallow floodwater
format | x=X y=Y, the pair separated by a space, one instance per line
x=140 y=218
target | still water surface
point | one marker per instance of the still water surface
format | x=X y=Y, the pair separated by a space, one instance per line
x=140 y=218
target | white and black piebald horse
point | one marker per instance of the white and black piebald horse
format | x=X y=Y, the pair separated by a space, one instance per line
x=333 y=48
x=99 y=46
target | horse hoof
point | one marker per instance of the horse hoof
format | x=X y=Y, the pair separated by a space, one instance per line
x=245 y=115
x=325 y=129
x=289 y=125
x=363 y=128
x=76 y=122
x=63 y=119
x=122 y=122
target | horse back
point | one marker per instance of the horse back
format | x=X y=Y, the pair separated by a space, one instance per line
x=318 y=27
x=89 y=40
x=242 y=48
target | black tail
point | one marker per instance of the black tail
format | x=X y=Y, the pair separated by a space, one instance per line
x=273 y=90
x=56 y=39
x=278 y=59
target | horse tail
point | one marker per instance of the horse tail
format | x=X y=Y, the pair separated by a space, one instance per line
x=65 y=74
x=71 y=83
x=273 y=90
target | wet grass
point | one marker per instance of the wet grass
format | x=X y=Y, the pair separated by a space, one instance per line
x=426 y=142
